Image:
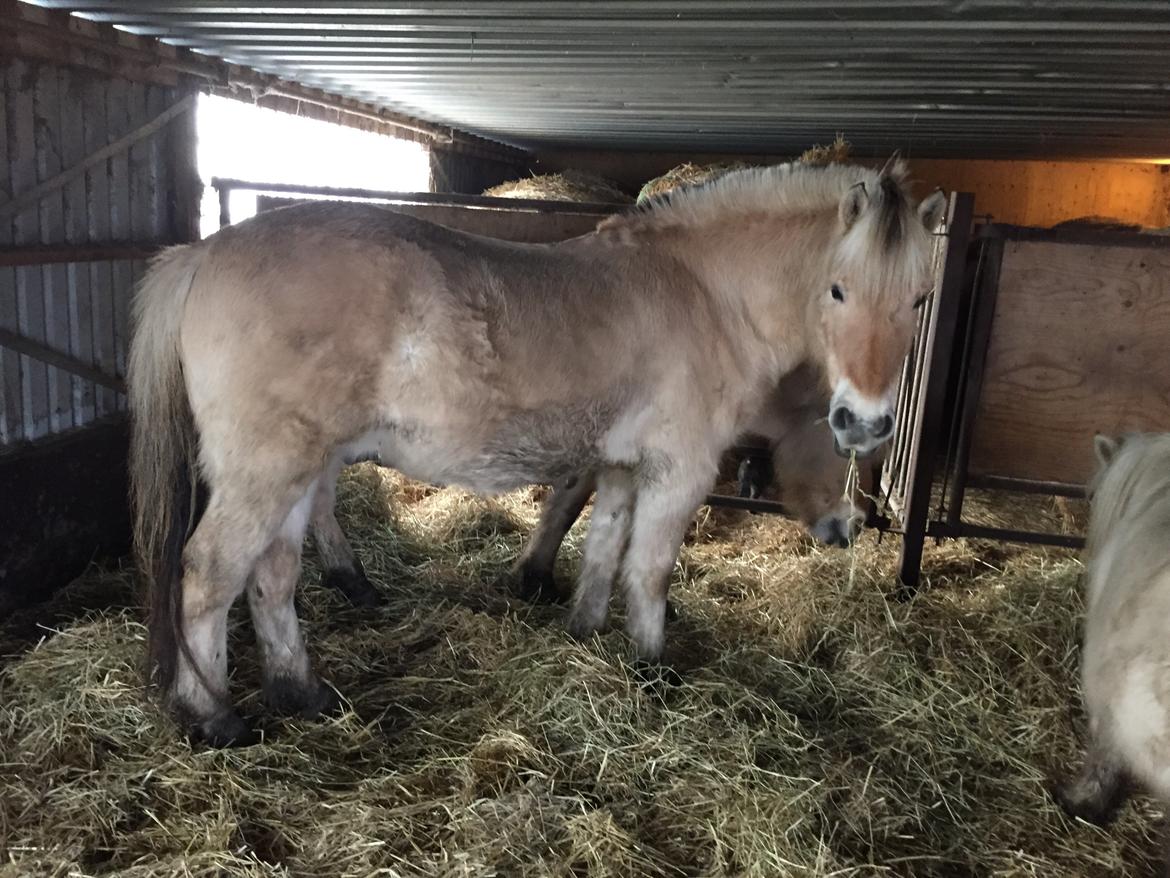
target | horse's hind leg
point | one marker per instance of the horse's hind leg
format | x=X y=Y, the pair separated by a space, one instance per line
x=290 y=685
x=602 y=556
x=340 y=567
x=1098 y=791
x=239 y=523
x=534 y=568
x=661 y=515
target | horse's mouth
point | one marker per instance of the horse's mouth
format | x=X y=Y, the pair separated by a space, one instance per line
x=841 y=452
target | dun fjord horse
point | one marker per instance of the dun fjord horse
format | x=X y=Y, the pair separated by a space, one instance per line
x=810 y=474
x=336 y=331
x=1125 y=662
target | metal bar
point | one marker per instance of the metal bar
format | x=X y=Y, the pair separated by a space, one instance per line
x=225 y=207
x=31 y=198
x=936 y=363
x=942 y=530
x=55 y=358
x=482 y=202
x=53 y=254
x=750 y=505
x=982 y=321
x=1026 y=486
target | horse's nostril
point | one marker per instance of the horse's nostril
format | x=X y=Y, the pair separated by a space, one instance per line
x=883 y=427
x=841 y=418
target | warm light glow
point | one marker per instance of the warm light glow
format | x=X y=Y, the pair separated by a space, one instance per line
x=250 y=143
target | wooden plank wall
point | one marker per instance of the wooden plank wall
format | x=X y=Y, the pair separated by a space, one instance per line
x=52 y=117
x=1078 y=346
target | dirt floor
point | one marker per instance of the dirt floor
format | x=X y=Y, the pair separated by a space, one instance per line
x=819 y=729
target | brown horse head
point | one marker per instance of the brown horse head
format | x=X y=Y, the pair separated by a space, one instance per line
x=880 y=274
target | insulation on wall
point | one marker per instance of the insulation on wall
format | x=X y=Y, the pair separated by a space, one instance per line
x=54 y=117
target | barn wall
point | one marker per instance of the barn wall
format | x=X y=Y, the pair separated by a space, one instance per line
x=1030 y=193
x=53 y=118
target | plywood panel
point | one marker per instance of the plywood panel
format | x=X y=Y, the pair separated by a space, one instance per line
x=1080 y=344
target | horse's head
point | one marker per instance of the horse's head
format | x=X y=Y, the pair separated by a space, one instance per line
x=880 y=274
x=812 y=483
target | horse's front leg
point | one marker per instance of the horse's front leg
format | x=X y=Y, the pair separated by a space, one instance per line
x=601 y=556
x=664 y=509
x=340 y=567
x=534 y=568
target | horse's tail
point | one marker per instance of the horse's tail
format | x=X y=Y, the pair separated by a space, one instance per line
x=162 y=449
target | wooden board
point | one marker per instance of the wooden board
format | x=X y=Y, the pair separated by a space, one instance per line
x=1080 y=344
x=508 y=225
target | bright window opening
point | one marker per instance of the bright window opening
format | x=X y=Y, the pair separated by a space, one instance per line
x=250 y=143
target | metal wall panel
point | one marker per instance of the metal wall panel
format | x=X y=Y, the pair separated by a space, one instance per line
x=53 y=117
x=960 y=78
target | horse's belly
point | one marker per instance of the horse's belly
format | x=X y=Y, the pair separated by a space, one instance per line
x=504 y=462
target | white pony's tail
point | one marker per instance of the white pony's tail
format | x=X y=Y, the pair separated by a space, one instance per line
x=162 y=447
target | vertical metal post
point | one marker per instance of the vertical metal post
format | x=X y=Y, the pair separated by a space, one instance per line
x=983 y=315
x=936 y=363
x=225 y=210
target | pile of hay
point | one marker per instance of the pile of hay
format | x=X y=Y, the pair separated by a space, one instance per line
x=688 y=174
x=819 y=729
x=578 y=186
x=837 y=151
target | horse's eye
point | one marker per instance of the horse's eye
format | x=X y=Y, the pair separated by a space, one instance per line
x=835 y=292
x=921 y=300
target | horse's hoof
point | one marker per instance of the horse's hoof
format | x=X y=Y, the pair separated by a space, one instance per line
x=353 y=584
x=583 y=624
x=308 y=700
x=539 y=587
x=226 y=729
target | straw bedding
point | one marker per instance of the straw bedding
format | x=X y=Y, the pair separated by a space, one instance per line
x=819 y=729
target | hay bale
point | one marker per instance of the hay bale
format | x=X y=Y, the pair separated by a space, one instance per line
x=571 y=185
x=687 y=174
x=820 y=728
x=836 y=152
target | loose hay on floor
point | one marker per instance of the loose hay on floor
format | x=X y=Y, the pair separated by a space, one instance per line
x=817 y=731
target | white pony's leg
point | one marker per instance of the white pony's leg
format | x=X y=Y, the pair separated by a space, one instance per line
x=218 y=559
x=602 y=554
x=661 y=515
x=534 y=567
x=290 y=685
x=340 y=567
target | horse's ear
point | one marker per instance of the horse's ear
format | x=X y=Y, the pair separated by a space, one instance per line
x=932 y=209
x=1105 y=448
x=894 y=166
x=853 y=204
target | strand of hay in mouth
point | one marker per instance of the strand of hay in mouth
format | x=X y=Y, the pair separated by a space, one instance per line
x=807 y=738
x=570 y=185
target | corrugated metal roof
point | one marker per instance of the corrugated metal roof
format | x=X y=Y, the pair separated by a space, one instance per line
x=935 y=77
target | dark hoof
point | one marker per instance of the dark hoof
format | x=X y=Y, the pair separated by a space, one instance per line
x=358 y=590
x=1089 y=802
x=289 y=697
x=655 y=675
x=227 y=729
x=539 y=587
